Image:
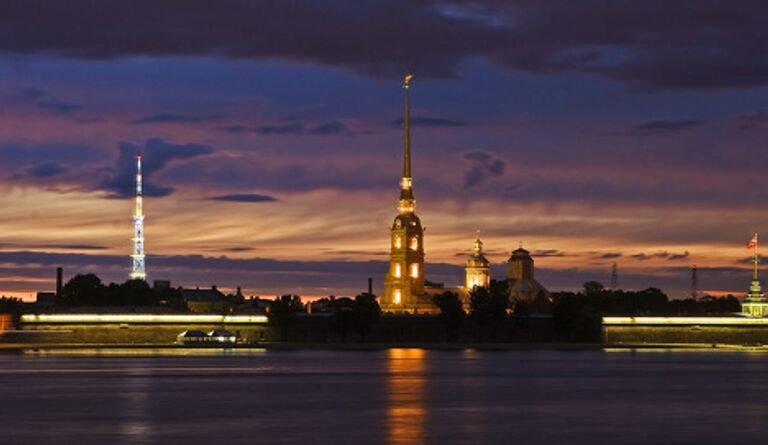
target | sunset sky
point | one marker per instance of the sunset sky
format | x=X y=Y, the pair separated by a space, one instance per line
x=593 y=132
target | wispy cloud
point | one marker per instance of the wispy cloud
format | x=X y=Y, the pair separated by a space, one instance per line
x=666 y=126
x=177 y=118
x=483 y=166
x=244 y=197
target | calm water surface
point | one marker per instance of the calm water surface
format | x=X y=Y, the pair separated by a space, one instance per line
x=389 y=396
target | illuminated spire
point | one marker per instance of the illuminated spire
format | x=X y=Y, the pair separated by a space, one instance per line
x=138 y=271
x=478 y=245
x=407 y=202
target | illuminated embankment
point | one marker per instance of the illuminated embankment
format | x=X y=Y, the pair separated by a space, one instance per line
x=685 y=330
x=154 y=329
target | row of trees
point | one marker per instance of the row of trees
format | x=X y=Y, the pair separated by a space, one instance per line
x=574 y=314
x=88 y=290
x=348 y=315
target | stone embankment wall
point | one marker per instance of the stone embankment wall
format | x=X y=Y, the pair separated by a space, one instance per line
x=125 y=333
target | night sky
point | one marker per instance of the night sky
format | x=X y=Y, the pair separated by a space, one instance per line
x=593 y=132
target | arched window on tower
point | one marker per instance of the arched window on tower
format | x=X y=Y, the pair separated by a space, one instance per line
x=398 y=270
x=398 y=242
x=415 y=243
x=398 y=296
x=415 y=270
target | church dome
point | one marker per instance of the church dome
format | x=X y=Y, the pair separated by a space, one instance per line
x=478 y=261
x=520 y=253
x=407 y=220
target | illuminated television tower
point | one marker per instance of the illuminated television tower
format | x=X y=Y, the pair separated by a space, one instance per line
x=138 y=271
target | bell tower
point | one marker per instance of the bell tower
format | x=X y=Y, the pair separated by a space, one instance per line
x=478 y=270
x=404 y=282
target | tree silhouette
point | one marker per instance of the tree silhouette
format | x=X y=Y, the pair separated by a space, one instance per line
x=282 y=312
x=342 y=318
x=488 y=307
x=451 y=313
x=365 y=312
x=83 y=290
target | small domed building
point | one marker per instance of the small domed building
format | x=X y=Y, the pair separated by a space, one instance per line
x=520 y=276
x=478 y=269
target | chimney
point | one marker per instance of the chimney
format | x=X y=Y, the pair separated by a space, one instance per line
x=59 y=281
x=370 y=285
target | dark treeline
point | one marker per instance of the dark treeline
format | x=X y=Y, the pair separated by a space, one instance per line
x=348 y=316
x=88 y=290
x=10 y=305
x=595 y=299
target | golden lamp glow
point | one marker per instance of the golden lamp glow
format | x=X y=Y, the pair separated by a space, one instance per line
x=398 y=296
x=398 y=242
x=414 y=270
x=398 y=270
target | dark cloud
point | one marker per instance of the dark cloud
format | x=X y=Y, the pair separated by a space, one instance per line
x=175 y=118
x=289 y=128
x=666 y=126
x=236 y=249
x=244 y=197
x=548 y=253
x=58 y=107
x=39 y=98
x=24 y=156
x=156 y=154
x=46 y=169
x=327 y=128
x=483 y=166
x=750 y=121
x=701 y=45
x=72 y=246
x=424 y=121
x=661 y=255
x=608 y=255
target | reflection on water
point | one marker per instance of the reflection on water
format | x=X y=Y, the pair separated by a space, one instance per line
x=136 y=426
x=399 y=396
x=405 y=395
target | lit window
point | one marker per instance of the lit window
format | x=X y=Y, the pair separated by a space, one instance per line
x=398 y=270
x=398 y=296
x=398 y=242
x=415 y=243
x=415 y=270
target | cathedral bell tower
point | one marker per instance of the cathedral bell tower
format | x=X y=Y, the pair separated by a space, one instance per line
x=404 y=282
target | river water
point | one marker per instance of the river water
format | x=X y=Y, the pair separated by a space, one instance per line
x=407 y=396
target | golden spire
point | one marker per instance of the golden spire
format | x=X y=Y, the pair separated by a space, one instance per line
x=407 y=202
x=407 y=126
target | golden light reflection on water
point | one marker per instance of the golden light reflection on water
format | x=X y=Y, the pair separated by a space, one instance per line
x=405 y=395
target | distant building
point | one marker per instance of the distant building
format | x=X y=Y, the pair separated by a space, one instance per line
x=478 y=269
x=45 y=299
x=206 y=300
x=520 y=276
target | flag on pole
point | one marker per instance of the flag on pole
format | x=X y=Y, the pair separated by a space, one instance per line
x=753 y=242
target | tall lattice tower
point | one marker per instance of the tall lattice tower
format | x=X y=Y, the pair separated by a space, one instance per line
x=614 y=277
x=694 y=283
x=138 y=270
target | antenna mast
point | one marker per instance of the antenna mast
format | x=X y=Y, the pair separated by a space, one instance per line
x=138 y=271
